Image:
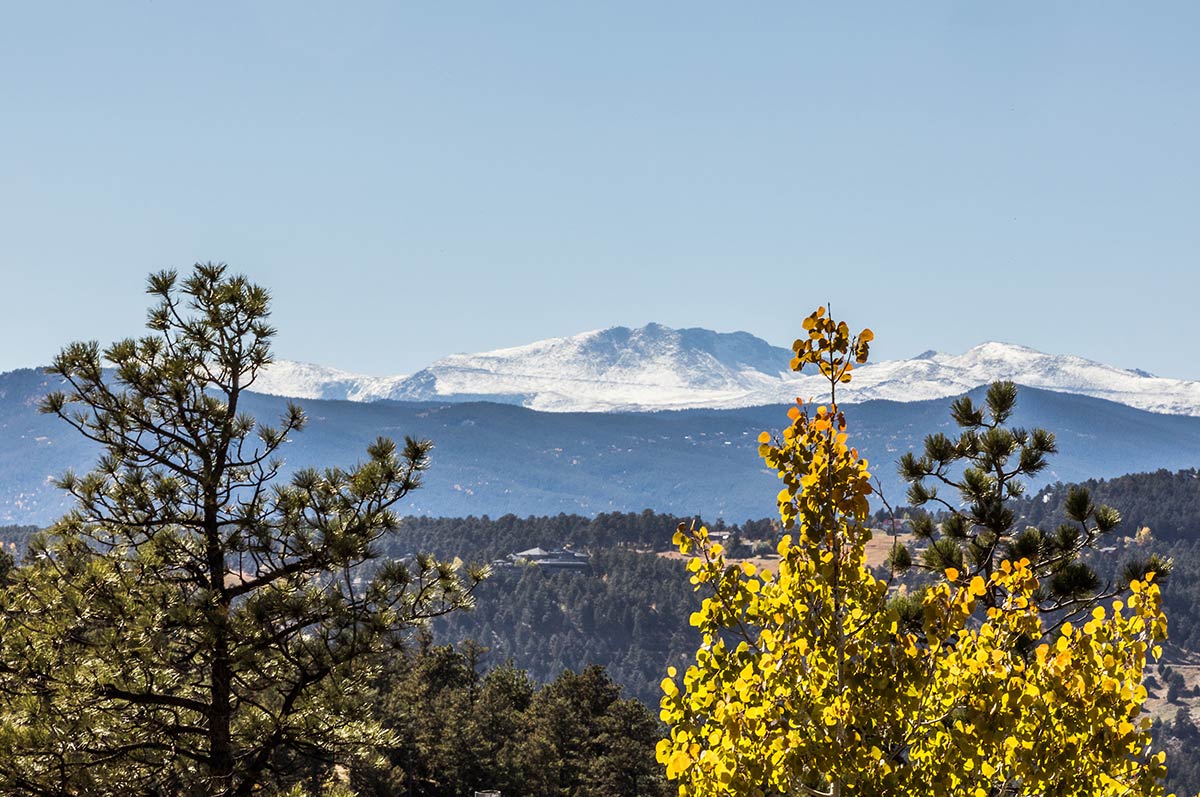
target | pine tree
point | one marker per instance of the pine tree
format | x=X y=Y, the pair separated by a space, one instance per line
x=199 y=625
x=985 y=465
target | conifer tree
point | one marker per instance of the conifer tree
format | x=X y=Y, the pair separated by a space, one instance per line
x=807 y=682
x=199 y=624
x=985 y=465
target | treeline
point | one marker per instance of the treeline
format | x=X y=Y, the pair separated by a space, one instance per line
x=461 y=725
x=484 y=538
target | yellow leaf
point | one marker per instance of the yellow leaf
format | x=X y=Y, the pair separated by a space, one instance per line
x=679 y=762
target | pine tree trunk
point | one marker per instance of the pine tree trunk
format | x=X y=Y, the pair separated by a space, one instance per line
x=220 y=708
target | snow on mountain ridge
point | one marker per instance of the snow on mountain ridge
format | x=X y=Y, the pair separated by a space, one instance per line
x=991 y=361
x=610 y=354
x=307 y=380
x=656 y=367
x=611 y=369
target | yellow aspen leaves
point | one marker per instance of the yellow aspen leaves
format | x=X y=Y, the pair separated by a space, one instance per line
x=806 y=681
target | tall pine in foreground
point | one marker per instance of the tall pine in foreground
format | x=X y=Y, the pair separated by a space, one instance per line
x=811 y=679
x=198 y=625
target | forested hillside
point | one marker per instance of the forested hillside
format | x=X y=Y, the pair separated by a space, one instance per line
x=484 y=538
x=1168 y=502
x=630 y=614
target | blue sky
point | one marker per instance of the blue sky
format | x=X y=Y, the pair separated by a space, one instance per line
x=417 y=179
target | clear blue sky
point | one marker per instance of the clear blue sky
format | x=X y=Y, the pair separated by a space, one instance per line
x=417 y=179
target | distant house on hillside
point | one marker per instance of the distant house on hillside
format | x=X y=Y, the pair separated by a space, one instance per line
x=562 y=559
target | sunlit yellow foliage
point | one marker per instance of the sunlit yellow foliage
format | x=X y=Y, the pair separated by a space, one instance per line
x=807 y=681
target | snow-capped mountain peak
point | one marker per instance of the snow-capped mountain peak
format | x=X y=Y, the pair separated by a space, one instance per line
x=656 y=367
x=609 y=369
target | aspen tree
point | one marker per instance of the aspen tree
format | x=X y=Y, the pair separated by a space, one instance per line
x=807 y=681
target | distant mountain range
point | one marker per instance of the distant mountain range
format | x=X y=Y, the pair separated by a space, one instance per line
x=628 y=419
x=659 y=368
x=495 y=459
